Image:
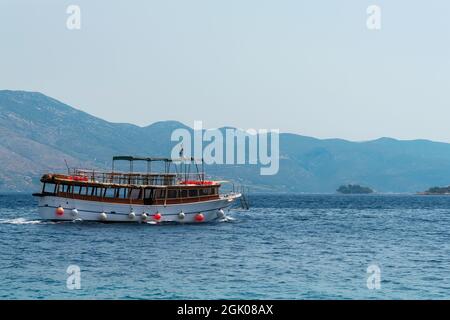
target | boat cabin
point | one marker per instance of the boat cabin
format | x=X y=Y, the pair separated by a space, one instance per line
x=148 y=188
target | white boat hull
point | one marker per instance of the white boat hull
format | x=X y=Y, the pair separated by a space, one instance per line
x=84 y=210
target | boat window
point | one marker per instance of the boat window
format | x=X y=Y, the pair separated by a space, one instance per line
x=135 y=193
x=148 y=193
x=160 y=194
x=172 y=194
x=49 y=187
x=193 y=193
x=88 y=191
x=205 y=191
x=98 y=191
x=184 y=193
x=109 y=192
x=121 y=193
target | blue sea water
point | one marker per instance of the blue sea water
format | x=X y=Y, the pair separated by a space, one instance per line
x=285 y=247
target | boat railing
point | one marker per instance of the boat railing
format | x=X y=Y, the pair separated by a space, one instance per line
x=243 y=191
x=186 y=177
x=163 y=179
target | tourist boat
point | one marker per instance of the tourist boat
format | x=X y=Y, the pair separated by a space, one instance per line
x=179 y=196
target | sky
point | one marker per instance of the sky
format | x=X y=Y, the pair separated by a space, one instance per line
x=306 y=67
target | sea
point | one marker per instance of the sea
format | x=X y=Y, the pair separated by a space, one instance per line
x=287 y=246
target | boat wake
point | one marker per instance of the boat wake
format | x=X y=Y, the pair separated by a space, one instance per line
x=227 y=219
x=21 y=221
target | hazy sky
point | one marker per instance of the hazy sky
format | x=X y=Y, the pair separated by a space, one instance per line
x=309 y=67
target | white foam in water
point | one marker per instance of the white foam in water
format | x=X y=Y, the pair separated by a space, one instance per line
x=19 y=221
x=227 y=219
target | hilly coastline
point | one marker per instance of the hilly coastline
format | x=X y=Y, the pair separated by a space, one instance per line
x=37 y=133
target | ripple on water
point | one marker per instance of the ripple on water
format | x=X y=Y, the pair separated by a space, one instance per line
x=285 y=247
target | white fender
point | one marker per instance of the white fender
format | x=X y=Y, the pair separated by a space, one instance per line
x=181 y=215
x=132 y=215
x=103 y=216
x=220 y=214
x=74 y=213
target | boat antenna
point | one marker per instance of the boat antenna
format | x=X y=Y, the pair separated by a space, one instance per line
x=67 y=165
x=181 y=151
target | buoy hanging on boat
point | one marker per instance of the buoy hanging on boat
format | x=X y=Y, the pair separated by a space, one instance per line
x=181 y=215
x=157 y=216
x=144 y=216
x=220 y=213
x=74 y=213
x=132 y=215
x=199 y=217
x=103 y=216
x=59 y=211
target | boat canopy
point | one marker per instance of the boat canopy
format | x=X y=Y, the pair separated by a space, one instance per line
x=148 y=159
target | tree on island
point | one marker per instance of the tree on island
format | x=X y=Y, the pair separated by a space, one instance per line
x=438 y=190
x=354 y=189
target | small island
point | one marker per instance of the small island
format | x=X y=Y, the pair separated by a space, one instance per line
x=354 y=189
x=437 y=190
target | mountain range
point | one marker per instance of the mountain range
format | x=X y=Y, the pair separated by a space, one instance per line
x=38 y=134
